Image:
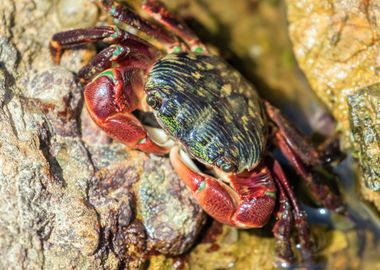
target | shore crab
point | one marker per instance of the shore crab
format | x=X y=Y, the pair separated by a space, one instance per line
x=210 y=120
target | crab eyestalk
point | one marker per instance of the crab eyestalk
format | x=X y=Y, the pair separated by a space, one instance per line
x=154 y=100
x=226 y=165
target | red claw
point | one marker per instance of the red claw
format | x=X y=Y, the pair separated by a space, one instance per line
x=110 y=99
x=247 y=203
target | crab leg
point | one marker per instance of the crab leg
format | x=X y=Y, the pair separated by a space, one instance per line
x=299 y=214
x=110 y=99
x=282 y=228
x=299 y=145
x=247 y=204
x=299 y=152
x=158 y=11
x=116 y=55
x=294 y=138
x=102 y=61
x=320 y=190
x=125 y=15
x=111 y=34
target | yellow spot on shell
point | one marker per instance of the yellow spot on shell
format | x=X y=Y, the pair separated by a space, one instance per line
x=244 y=119
x=196 y=75
x=209 y=66
x=226 y=90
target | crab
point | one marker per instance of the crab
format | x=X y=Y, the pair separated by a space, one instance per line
x=216 y=129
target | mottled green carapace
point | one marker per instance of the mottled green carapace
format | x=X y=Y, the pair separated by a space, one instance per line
x=210 y=108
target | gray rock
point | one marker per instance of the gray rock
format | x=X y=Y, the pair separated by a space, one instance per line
x=69 y=196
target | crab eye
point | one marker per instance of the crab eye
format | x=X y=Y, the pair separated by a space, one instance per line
x=153 y=101
x=226 y=165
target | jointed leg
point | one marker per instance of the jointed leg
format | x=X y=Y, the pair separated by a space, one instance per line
x=160 y=13
x=282 y=229
x=319 y=190
x=293 y=137
x=302 y=157
x=124 y=15
x=111 y=34
x=325 y=153
x=117 y=55
x=299 y=214
x=130 y=45
x=102 y=61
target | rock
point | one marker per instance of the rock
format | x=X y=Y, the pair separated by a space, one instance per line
x=77 y=13
x=335 y=45
x=68 y=197
x=171 y=216
x=364 y=109
x=131 y=189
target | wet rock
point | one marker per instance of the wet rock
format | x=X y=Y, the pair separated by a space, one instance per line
x=67 y=196
x=364 y=108
x=138 y=199
x=130 y=245
x=335 y=45
x=171 y=216
x=111 y=195
x=225 y=248
x=77 y=13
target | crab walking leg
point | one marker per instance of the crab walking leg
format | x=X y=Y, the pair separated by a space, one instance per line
x=319 y=190
x=282 y=229
x=102 y=61
x=111 y=34
x=225 y=204
x=326 y=153
x=294 y=138
x=124 y=15
x=158 y=11
x=299 y=214
x=116 y=55
x=110 y=99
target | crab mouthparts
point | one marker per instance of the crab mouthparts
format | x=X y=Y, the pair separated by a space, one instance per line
x=159 y=136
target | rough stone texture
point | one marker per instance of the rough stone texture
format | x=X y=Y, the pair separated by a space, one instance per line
x=169 y=219
x=364 y=108
x=336 y=45
x=68 y=194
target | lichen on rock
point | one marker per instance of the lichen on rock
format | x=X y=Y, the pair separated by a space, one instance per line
x=364 y=109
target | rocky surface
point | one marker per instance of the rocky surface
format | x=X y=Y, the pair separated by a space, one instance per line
x=364 y=109
x=336 y=44
x=70 y=197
